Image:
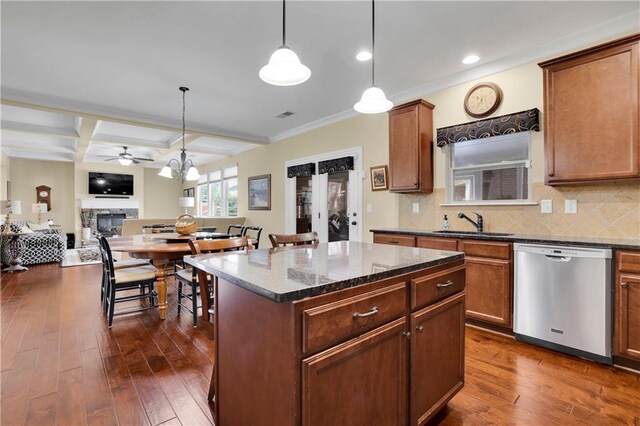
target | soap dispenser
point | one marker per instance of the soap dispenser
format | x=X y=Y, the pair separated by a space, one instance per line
x=445 y=223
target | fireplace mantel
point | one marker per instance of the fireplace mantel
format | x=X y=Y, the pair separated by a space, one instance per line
x=109 y=203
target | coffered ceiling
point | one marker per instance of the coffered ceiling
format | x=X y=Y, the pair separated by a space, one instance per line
x=83 y=79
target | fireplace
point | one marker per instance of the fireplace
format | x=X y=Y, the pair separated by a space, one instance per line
x=110 y=224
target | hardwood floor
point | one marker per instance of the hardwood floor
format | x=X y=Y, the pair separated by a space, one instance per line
x=60 y=364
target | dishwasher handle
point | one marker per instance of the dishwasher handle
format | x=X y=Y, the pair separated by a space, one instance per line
x=558 y=258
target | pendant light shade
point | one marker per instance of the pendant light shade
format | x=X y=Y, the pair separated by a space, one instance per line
x=284 y=67
x=125 y=161
x=373 y=100
x=166 y=172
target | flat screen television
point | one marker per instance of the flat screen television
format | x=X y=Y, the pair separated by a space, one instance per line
x=110 y=184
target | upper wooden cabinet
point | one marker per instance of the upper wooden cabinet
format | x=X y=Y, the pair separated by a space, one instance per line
x=411 y=147
x=591 y=115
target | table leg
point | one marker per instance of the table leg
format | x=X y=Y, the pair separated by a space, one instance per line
x=161 y=286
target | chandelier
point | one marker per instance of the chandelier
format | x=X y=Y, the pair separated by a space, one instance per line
x=185 y=170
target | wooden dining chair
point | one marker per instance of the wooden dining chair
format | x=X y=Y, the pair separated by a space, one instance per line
x=235 y=230
x=142 y=278
x=293 y=239
x=198 y=282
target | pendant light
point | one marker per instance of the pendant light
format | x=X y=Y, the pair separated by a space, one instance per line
x=284 y=67
x=373 y=100
x=185 y=170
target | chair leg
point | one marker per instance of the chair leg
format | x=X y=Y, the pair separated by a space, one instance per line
x=194 y=303
x=151 y=287
x=179 y=296
x=112 y=300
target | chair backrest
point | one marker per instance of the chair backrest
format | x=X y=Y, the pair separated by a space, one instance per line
x=216 y=246
x=235 y=230
x=254 y=233
x=294 y=239
x=107 y=257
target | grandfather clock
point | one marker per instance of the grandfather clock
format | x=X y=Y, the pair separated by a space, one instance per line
x=43 y=195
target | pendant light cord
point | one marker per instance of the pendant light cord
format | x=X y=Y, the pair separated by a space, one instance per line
x=184 y=93
x=373 y=43
x=284 y=21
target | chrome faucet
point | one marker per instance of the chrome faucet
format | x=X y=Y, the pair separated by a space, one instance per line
x=479 y=225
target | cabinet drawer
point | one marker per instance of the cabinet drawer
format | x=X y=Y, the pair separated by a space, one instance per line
x=399 y=240
x=491 y=249
x=628 y=261
x=450 y=244
x=340 y=320
x=432 y=288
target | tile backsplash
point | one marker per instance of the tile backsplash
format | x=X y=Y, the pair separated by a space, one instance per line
x=607 y=211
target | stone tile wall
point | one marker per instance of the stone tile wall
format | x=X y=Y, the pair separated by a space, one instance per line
x=607 y=211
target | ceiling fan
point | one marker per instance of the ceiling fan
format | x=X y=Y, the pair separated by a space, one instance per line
x=126 y=158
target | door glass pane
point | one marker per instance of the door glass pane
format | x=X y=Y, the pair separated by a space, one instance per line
x=337 y=190
x=303 y=204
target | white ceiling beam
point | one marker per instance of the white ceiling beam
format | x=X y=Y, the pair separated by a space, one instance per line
x=34 y=128
x=125 y=141
x=20 y=104
x=87 y=127
x=22 y=146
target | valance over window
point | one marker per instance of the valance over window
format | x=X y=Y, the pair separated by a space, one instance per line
x=335 y=165
x=523 y=121
x=301 y=170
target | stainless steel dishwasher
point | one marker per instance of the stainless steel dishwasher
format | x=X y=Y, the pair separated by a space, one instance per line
x=563 y=299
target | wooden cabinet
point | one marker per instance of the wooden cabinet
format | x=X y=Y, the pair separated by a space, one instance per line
x=411 y=147
x=591 y=105
x=450 y=244
x=437 y=357
x=362 y=381
x=394 y=239
x=489 y=281
x=627 y=305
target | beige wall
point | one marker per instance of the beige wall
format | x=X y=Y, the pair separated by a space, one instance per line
x=368 y=131
x=603 y=210
x=25 y=175
x=161 y=196
x=5 y=169
x=608 y=210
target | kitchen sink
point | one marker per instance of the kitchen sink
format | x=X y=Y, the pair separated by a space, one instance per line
x=495 y=234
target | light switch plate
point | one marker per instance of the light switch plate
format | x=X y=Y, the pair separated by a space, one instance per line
x=546 y=206
x=369 y=208
x=571 y=206
x=416 y=207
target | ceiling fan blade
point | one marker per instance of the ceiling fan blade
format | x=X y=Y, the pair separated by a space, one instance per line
x=106 y=156
x=109 y=158
x=143 y=159
x=135 y=161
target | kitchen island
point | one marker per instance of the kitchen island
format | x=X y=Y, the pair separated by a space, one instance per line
x=337 y=333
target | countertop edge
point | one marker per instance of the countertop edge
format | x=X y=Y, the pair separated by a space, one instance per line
x=321 y=289
x=515 y=238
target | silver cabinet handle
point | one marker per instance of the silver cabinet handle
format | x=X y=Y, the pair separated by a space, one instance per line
x=407 y=334
x=373 y=311
x=624 y=285
x=449 y=283
x=419 y=329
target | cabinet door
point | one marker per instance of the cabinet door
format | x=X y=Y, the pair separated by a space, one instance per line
x=360 y=382
x=404 y=143
x=450 y=244
x=395 y=239
x=437 y=357
x=627 y=327
x=591 y=105
x=489 y=290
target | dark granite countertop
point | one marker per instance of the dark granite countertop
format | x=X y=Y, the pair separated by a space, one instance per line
x=616 y=243
x=294 y=273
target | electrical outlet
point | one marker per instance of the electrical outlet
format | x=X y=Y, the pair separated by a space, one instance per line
x=546 y=206
x=416 y=207
x=369 y=208
x=571 y=206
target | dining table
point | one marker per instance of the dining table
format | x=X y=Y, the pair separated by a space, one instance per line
x=162 y=250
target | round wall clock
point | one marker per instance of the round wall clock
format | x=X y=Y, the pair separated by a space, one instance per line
x=483 y=99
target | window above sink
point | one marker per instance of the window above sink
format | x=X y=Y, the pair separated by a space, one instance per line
x=494 y=170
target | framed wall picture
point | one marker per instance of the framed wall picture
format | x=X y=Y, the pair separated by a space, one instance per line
x=189 y=192
x=379 y=178
x=260 y=192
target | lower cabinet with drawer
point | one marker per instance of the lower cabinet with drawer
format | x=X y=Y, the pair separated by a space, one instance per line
x=367 y=357
x=627 y=307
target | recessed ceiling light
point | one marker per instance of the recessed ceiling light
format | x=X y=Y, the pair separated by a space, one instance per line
x=364 y=56
x=471 y=59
